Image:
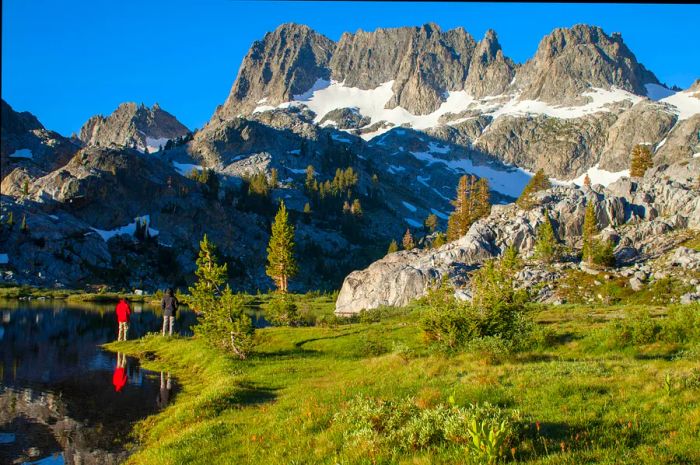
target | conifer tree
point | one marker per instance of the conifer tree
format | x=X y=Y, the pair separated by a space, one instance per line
x=145 y=150
x=586 y=181
x=590 y=230
x=274 y=178
x=641 y=161
x=546 y=247
x=393 y=247
x=356 y=208
x=431 y=222
x=25 y=188
x=310 y=179
x=538 y=182
x=482 y=199
x=223 y=320
x=407 y=241
x=23 y=227
x=472 y=202
x=439 y=241
x=281 y=264
x=10 y=220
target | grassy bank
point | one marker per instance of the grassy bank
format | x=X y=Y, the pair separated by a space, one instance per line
x=70 y=295
x=587 y=394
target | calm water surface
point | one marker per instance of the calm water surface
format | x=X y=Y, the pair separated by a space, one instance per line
x=64 y=400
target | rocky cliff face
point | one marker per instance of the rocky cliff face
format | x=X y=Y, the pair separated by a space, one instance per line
x=579 y=103
x=570 y=61
x=133 y=125
x=637 y=214
x=285 y=63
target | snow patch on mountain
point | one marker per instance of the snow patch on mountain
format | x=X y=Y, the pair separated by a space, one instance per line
x=22 y=153
x=509 y=181
x=685 y=104
x=413 y=223
x=186 y=168
x=129 y=229
x=597 y=176
x=409 y=206
x=154 y=144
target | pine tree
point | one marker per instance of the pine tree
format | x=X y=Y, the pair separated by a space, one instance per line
x=274 y=178
x=356 y=208
x=25 y=188
x=590 y=230
x=546 y=247
x=407 y=241
x=281 y=264
x=23 y=227
x=223 y=320
x=393 y=247
x=307 y=211
x=439 y=241
x=586 y=181
x=145 y=150
x=431 y=222
x=310 y=179
x=538 y=182
x=10 y=220
x=483 y=199
x=641 y=161
x=472 y=202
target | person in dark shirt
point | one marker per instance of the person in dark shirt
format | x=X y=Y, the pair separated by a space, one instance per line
x=169 y=306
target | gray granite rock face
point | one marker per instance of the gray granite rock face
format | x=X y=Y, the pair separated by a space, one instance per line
x=637 y=213
x=570 y=61
x=132 y=125
x=286 y=62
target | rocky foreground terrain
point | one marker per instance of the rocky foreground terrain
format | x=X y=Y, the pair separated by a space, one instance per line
x=410 y=110
x=644 y=217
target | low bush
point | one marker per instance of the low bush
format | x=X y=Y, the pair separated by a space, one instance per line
x=281 y=310
x=681 y=325
x=484 y=430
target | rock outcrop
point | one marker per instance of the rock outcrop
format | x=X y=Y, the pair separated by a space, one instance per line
x=570 y=61
x=135 y=126
x=636 y=213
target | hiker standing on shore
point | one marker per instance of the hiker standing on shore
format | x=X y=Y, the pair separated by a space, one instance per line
x=123 y=314
x=169 y=306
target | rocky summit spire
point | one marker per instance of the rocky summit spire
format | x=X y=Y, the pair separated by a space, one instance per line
x=570 y=61
x=133 y=125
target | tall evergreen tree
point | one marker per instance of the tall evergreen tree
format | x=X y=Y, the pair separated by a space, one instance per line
x=546 y=246
x=10 y=220
x=538 y=182
x=223 y=320
x=590 y=230
x=472 y=202
x=641 y=161
x=274 y=178
x=393 y=247
x=439 y=241
x=356 y=208
x=281 y=264
x=408 y=242
x=23 y=226
x=431 y=222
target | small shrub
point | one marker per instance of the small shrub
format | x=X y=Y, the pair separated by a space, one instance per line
x=281 y=310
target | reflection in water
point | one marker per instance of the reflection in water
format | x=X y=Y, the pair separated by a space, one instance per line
x=63 y=399
x=164 y=393
x=119 y=377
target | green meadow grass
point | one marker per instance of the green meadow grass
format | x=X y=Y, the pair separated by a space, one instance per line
x=583 y=398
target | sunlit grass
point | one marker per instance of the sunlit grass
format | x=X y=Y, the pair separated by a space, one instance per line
x=594 y=403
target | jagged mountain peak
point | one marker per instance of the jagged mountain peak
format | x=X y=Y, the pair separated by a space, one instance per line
x=133 y=125
x=572 y=61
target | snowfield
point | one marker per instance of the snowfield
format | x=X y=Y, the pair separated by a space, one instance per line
x=186 y=168
x=597 y=176
x=22 y=153
x=326 y=96
x=129 y=229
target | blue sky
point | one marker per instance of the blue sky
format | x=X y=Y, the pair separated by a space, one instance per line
x=67 y=60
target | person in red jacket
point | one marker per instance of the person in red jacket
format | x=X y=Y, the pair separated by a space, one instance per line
x=123 y=314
